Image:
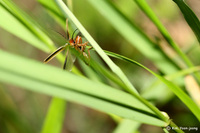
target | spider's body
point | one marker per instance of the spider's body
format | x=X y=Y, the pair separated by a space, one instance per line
x=74 y=43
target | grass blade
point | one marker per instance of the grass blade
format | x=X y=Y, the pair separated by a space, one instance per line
x=42 y=78
x=14 y=20
x=176 y=90
x=149 y=12
x=51 y=7
x=24 y=19
x=55 y=117
x=12 y=24
x=156 y=89
x=190 y=17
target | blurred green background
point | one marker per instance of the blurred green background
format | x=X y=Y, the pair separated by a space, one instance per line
x=24 y=111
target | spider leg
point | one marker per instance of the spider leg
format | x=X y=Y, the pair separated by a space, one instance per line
x=84 y=46
x=89 y=51
x=64 y=66
x=67 y=29
x=51 y=56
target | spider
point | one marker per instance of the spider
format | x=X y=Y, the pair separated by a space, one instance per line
x=72 y=43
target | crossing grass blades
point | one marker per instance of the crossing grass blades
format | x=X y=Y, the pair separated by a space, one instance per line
x=74 y=46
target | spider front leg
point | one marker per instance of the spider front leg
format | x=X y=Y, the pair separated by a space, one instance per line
x=67 y=30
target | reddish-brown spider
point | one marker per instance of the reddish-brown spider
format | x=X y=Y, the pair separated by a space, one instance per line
x=73 y=43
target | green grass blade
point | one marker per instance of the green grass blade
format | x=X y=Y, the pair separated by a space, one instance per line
x=132 y=34
x=52 y=81
x=13 y=19
x=51 y=7
x=98 y=49
x=183 y=72
x=176 y=90
x=149 y=12
x=12 y=24
x=156 y=89
x=55 y=117
x=105 y=72
x=190 y=17
x=26 y=21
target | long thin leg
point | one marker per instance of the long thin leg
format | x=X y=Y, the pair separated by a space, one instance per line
x=89 y=51
x=83 y=44
x=67 y=30
x=64 y=66
x=51 y=56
